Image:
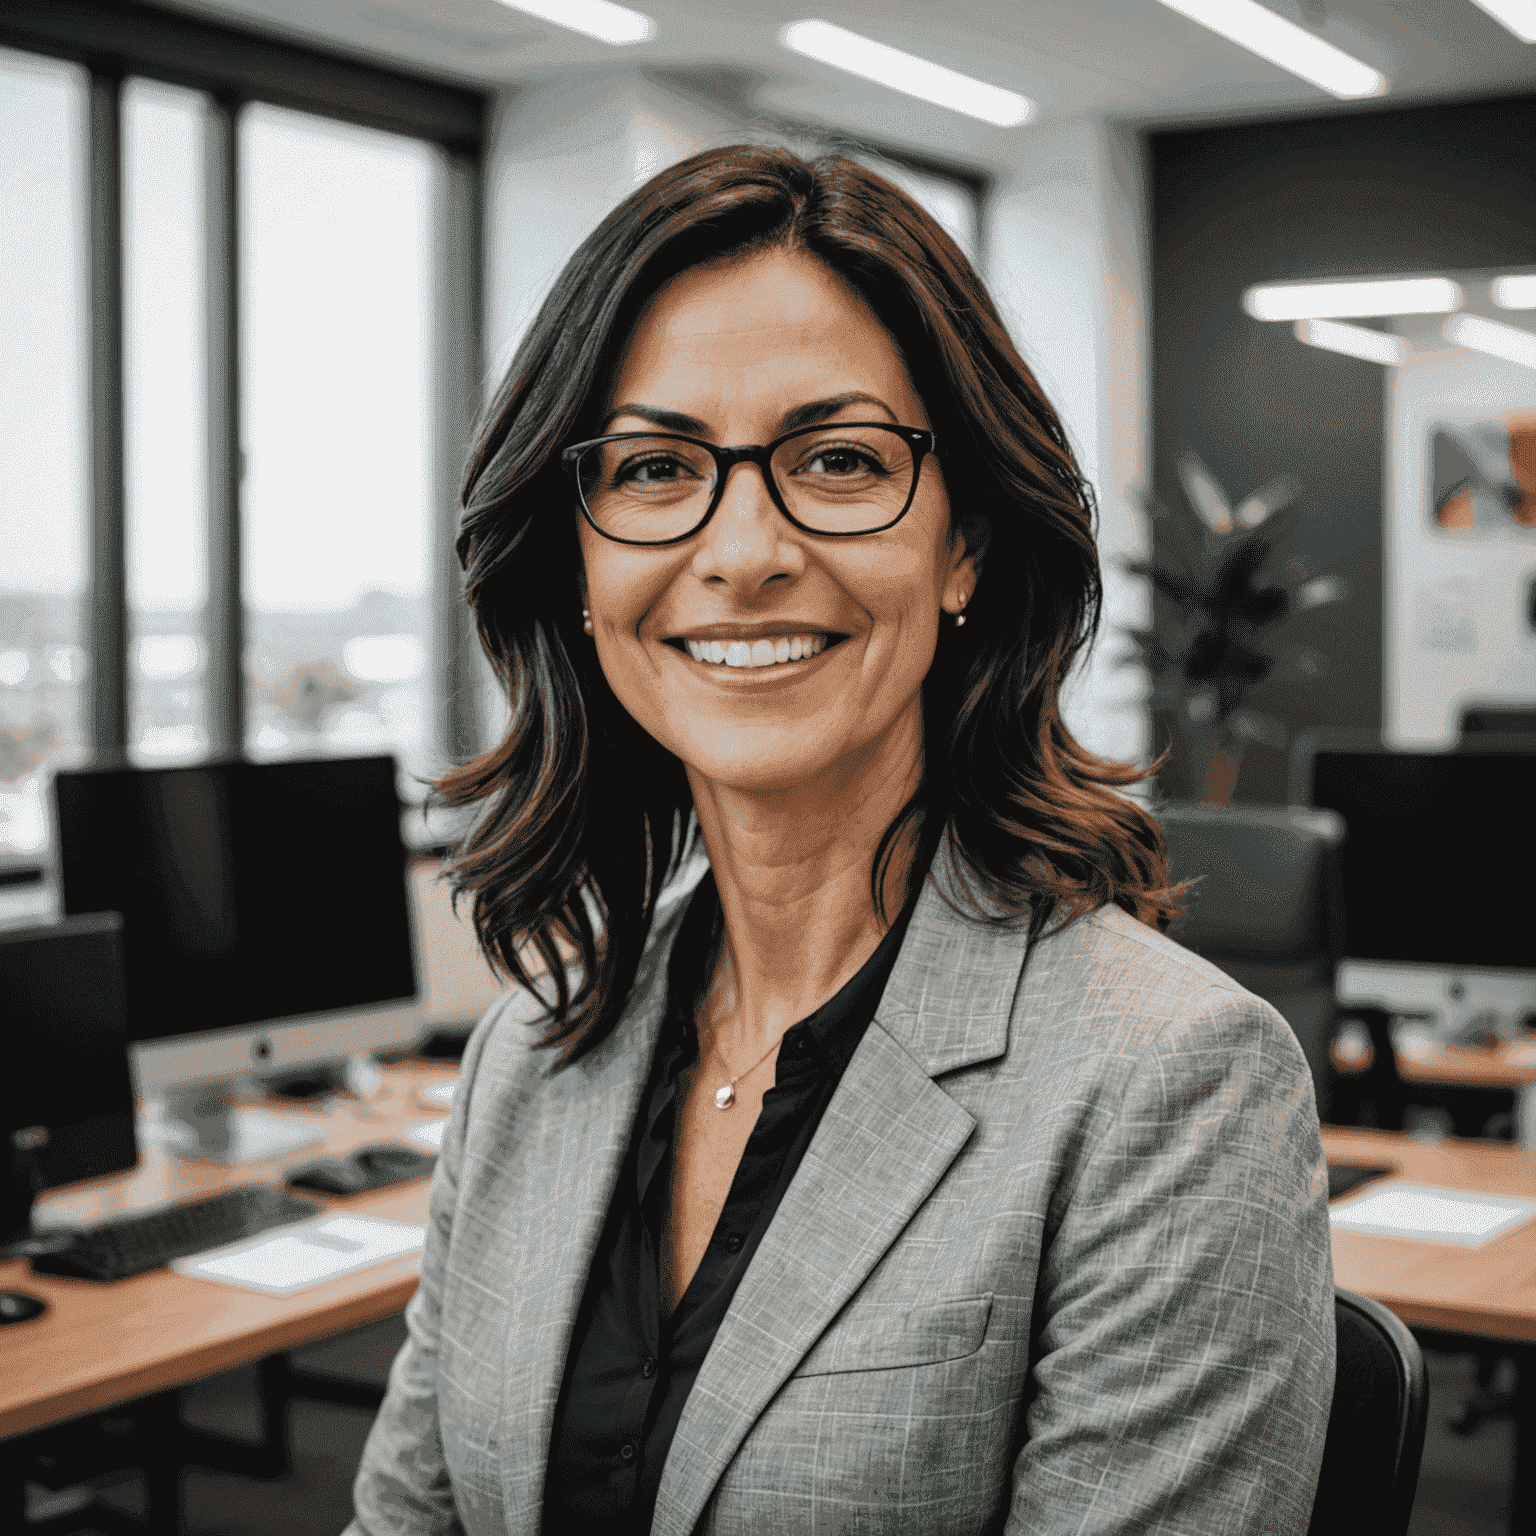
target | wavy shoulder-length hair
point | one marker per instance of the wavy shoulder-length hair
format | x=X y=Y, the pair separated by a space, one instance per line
x=582 y=813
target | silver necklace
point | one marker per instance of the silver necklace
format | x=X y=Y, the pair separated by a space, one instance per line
x=725 y=1096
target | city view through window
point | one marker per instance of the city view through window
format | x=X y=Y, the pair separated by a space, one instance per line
x=336 y=279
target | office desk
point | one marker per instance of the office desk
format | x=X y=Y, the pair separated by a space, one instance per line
x=101 y=1345
x=1455 y=1298
x=1510 y=1064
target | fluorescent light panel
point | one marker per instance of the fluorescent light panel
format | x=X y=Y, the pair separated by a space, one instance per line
x=608 y=23
x=1336 y=301
x=1517 y=292
x=1518 y=15
x=1354 y=341
x=1259 y=30
x=1492 y=337
x=905 y=72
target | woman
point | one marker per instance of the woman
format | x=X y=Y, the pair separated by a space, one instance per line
x=887 y=1169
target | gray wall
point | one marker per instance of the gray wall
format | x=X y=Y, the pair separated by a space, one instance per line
x=1350 y=193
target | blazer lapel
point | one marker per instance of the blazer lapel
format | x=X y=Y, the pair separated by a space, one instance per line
x=887 y=1138
x=573 y=1150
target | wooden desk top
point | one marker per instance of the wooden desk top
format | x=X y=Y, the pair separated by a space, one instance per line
x=1488 y=1291
x=1511 y=1064
x=98 y=1345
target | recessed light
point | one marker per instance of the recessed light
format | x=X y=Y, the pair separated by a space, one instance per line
x=869 y=60
x=1517 y=292
x=1518 y=15
x=1259 y=30
x=1354 y=341
x=1334 y=301
x=1492 y=337
x=609 y=23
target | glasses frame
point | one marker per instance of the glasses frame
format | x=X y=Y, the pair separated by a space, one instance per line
x=920 y=440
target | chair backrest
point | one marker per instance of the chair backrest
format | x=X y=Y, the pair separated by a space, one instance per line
x=1268 y=908
x=1376 y=1425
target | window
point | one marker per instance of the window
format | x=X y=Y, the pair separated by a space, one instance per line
x=241 y=277
x=336 y=296
x=43 y=459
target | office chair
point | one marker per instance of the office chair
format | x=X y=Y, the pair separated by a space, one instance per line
x=1376 y=1425
x=1267 y=908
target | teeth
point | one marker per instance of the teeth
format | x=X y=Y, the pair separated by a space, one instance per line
x=756 y=653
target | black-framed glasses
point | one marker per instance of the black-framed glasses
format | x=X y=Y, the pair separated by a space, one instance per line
x=841 y=480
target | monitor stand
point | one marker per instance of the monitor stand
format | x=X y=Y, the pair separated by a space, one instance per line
x=203 y=1122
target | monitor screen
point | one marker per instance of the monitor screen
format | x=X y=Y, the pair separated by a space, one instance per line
x=1439 y=855
x=63 y=1034
x=250 y=892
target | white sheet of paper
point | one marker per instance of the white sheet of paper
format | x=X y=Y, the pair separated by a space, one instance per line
x=428 y=1134
x=1426 y=1214
x=290 y=1259
x=440 y=1093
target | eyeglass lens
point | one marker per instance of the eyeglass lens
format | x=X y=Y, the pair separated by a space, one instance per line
x=837 y=479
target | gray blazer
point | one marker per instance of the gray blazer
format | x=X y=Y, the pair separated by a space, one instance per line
x=1056 y=1261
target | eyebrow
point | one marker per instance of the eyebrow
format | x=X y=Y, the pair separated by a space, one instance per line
x=808 y=415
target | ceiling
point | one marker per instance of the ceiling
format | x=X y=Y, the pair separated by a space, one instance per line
x=1122 y=59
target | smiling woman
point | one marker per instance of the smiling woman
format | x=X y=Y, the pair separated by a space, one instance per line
x=891 y=1168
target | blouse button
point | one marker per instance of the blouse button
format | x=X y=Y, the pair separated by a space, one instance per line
x=647 y=1367
x=733 y=1243
x=627 y=1452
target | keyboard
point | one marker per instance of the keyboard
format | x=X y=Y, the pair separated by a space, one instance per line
x=130 y=1245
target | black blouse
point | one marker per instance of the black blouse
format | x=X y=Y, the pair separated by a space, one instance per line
x=629 y=1370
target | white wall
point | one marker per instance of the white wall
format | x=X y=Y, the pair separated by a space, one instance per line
x=1065 y=254
x=1454 y=600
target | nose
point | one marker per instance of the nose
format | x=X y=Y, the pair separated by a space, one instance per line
x=748 y=543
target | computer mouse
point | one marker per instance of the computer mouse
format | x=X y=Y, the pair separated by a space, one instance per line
x=386 y=1158
x=331 y=1176
x=18 y=1307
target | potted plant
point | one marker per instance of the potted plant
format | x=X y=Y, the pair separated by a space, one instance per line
x=1222 y=595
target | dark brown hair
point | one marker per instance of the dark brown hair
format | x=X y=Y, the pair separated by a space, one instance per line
x=583 y=813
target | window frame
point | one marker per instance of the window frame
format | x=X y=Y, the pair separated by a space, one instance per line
x=115 y=39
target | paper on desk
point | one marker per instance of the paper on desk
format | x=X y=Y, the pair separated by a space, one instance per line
x=428 y=1134
x=1428 y=1215
x=290 y=1259
x=440 y=1093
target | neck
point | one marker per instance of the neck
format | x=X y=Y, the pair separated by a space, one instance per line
x=793 y=871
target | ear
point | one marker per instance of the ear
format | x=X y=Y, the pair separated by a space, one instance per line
x=968 y=547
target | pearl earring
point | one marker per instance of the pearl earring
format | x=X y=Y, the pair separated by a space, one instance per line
x=586 y=621
x=960 y=615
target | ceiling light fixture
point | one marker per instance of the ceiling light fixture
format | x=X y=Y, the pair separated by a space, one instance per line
x=1518 y=15
x=1336 y=301
x=1517 y=292
x=1492 y=337
x=608 y=23
x=1354 y=341
x=1259 y=30
x=905 y=72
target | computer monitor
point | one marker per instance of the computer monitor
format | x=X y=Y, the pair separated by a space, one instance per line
x=1438 y=912
x=266 y=926
x=66 y=1105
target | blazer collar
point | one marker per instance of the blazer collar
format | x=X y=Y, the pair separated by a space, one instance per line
x=951 y=993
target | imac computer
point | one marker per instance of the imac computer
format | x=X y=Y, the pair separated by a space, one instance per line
x=66 y=1105
x=266 y=926
x=1439 y=916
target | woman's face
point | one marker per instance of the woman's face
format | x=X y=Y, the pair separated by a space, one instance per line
x=739 y=349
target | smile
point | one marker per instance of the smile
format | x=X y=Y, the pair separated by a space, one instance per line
x=776 y=652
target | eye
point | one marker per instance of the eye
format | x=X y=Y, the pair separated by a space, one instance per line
x=841 y=461
x=658 y=469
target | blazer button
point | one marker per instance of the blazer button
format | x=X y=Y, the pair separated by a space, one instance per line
x=627 y=1452
x=733 y=1243
x=647 y=1367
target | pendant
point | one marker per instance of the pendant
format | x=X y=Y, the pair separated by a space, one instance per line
x=725 y=1097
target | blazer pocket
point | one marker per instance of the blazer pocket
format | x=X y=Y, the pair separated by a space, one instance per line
x=890 y=1338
